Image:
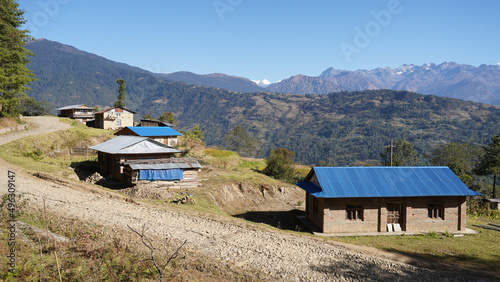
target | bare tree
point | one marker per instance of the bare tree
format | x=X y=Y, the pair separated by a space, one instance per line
x=149 y=244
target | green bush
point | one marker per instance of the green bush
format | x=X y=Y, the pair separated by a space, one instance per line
x=279 y=165
x=36 y=154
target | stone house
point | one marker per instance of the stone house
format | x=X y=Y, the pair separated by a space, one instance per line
x=114 y=118
x=385 y=199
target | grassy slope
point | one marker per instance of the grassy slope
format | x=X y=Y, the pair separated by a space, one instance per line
x=479 y=251
x=222 y=168
x=52 y=152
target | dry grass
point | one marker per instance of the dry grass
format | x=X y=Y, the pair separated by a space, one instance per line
x=479 y=251
x=98 y=253
x=53 y=152
x=8 y=122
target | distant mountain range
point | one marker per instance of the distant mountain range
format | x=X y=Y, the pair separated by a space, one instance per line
x=219 y=80
x=353 y=127
x=466 y=82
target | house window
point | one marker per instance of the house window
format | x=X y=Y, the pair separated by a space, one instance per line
x=354 y=212
x=118 y=122
x=435 y=210
x=118 y=114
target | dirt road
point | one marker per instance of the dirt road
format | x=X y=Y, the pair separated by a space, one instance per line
x=42 y=125
x=281 y=255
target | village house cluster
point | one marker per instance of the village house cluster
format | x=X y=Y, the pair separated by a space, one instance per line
x=144 y=152
x=340 y=200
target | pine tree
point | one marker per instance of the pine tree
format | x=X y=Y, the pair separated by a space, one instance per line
x=120 y=102
x=14 y=74
x=168 y=117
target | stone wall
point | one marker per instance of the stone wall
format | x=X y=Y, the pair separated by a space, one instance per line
x=15 y=128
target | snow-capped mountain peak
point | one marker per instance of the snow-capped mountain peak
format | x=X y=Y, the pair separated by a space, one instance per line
x=262 y=83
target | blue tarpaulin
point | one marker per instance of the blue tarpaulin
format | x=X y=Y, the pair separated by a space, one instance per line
x=160 y=174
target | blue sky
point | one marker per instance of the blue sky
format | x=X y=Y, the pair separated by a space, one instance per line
x=272 y=39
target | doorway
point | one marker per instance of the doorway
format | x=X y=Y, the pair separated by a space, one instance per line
x=395 y=216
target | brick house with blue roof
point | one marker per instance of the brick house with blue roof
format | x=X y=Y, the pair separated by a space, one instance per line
x=385 y=199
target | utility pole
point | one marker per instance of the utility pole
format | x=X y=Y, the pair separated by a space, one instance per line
x=391 y=151
x=326 y=153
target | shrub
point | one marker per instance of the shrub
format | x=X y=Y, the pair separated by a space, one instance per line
x=279 y=165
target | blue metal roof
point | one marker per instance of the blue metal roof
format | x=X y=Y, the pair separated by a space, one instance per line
x=362 y=182
x=154 y=131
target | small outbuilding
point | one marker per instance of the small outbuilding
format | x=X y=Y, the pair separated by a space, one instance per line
x=133 y=158
x=162 y=134
x=385 y=199
x=81 y=113
x=154 y=122
x=492 y=203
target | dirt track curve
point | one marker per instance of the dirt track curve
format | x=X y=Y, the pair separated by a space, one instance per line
x=281 y=255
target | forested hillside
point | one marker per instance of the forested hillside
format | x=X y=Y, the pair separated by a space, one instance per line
x=348 y=128
x=69 y=76
x=344 y=128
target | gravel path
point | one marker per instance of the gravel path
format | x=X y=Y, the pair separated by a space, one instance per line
x=283 y=256
x=44 y=125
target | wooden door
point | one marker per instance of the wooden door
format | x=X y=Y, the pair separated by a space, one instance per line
x=394 y=213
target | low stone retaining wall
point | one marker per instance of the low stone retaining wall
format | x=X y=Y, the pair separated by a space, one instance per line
x=15 y=128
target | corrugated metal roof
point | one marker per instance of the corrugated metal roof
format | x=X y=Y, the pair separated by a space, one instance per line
x=355 y=182
x=158 y=121
x=127 y=144
x=109 y=109
x=154 y=131
x=165 y=166
x=80 y=107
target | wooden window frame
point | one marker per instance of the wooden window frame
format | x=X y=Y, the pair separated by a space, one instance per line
x=354 y=212
x=435 y=210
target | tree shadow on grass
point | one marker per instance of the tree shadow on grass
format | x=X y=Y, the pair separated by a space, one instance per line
x=286 y=220
x=465 y=265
